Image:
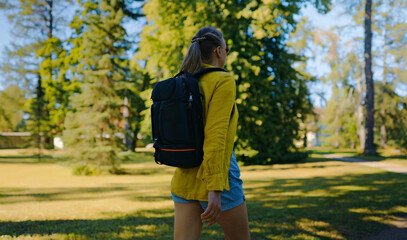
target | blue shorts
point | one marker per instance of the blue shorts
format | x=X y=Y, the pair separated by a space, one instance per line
x=229 y=199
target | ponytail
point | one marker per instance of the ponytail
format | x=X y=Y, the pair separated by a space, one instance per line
x=192 y=62
x=202 y=45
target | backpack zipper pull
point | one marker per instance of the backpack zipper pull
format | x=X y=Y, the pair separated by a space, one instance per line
x=190 y=100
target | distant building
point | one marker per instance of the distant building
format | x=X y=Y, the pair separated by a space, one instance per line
x=14 y=139
x=58 y=143
x=312 y=129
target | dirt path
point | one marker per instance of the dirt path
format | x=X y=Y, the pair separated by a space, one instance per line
x=385 y=166
x=396 y=231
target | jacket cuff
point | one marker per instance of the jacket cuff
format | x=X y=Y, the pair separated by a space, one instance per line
x=214 y=182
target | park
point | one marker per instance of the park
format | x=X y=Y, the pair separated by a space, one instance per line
x=319 y=198
x=320 y=113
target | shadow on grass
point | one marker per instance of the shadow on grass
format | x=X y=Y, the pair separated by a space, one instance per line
x=345 y=207
x=356 y=154
x=27 y=157
x=144 y=224
x=147 y=224
x=31 y=159
x=26 y=195
x=338 y=207
x=323 y=152
x=126 y=157
x=379 y=158
x=19 y=195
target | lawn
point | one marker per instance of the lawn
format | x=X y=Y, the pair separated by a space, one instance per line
x=315 y=199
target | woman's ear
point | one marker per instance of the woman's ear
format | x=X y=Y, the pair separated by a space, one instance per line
x=218 y=51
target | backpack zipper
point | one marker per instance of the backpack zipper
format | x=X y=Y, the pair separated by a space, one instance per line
x=190 y=100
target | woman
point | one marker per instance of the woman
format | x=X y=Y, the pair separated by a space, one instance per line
x=213 y=191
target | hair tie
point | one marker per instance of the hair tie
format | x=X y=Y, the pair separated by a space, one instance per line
x=197 y=39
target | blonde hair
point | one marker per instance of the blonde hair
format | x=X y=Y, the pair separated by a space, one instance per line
x=203 y=43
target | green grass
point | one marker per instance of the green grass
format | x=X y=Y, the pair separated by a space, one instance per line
x=316 y=199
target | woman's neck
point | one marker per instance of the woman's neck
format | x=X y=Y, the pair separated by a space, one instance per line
x=214 y=63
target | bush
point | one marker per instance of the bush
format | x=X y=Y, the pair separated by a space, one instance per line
x=290 y=157
x=86 y=170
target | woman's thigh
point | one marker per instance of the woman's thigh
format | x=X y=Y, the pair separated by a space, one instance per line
x=187 y=220
x=234 y=223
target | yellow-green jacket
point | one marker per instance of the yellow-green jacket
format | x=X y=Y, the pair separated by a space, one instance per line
x=220 y=122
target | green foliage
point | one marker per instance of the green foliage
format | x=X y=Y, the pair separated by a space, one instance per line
x=88 y=75
x=86 y=170
x=137 y=105
x=38 y=117
x=38 y=52
x=12 y=108
x=272 y=95
x=57 y=87
x=102 y=68
x=397 y=116
x=346 y=60
x=339 y=119
x=290 y=157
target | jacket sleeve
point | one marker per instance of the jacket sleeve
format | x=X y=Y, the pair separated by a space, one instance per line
x=216 y=128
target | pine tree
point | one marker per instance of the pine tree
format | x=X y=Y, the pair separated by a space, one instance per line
x=103 y=69
x=137 y=103
x=370 y=148
x=38 y=116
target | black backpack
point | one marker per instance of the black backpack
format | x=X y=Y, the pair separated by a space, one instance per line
x=177 y=122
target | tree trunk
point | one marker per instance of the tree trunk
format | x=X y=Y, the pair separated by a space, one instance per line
x=48 y=139
x=383 y=131
x=359 y=114
x=336 y=143
x=370 y=148
x=305 y=139
x=127 y=130
x=39 y=115
x=51 y=18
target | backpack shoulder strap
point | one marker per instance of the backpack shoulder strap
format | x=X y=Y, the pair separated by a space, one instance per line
x=202 y=72
x=184 y=76
x=179 y=74
x=207 y=70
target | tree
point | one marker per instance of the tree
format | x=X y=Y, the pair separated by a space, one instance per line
x=38 y=116
x=389 y=26
x=399 y=129
x=103 y=69
x=36 y=54
x=12 y=108
x=272 y=95
x=341 y=113
x=340 y=119
x=137 y=101
x=370 y=148
x=388 y=49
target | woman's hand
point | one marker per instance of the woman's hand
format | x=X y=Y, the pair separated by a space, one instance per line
x=213 y=211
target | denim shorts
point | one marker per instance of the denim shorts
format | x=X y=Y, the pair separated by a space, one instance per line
x=229 y=199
